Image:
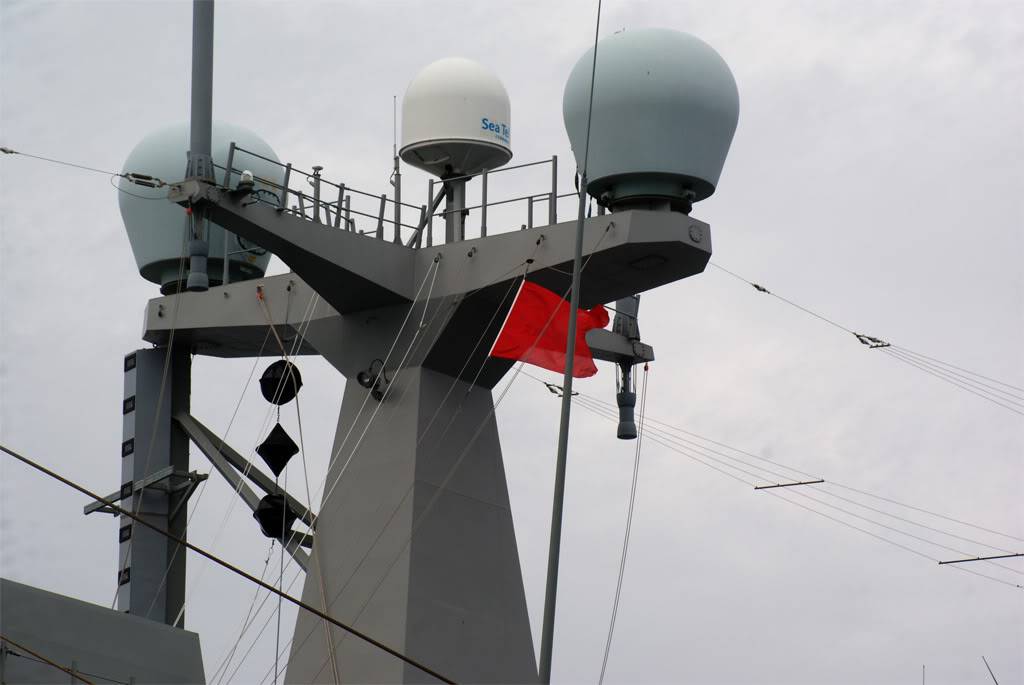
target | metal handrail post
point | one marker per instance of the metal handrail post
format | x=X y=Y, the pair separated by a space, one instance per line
x=398 y=204
x=380 y=216
x=423 y=222
x=553 y=203
x=284 y=186
x=483 y=204
x=430 y=218
x=341 y=203
x=227 y=167
x=316 y=193
x=529 y=212
x=225 y=271
x=349 y=224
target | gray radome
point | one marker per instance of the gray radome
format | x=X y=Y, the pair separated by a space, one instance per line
x=157 y=228
x=665 y=111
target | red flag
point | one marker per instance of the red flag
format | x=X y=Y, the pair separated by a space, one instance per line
x=537 y=327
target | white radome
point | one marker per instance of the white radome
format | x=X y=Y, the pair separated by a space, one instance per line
x=456 y=119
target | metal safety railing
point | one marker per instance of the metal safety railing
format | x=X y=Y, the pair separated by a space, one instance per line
x=331 y=204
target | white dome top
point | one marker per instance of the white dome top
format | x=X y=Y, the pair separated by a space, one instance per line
x=664 y=114
x=456 y=119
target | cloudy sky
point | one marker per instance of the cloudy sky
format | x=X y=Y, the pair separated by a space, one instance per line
x=875 y=178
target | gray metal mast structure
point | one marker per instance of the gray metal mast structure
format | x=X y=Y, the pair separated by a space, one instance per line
x=414 y=540
x=417 y=540
x=156 y=481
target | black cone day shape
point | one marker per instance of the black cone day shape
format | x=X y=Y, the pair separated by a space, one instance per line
x=280 y=383
x=278 y=449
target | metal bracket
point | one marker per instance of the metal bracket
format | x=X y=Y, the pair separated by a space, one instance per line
x=193 y=191
x=160 y=481
x=609 y=346
x=226 y=461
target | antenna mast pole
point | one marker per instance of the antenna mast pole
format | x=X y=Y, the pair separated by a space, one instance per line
x=200 y=160
x=555 y=544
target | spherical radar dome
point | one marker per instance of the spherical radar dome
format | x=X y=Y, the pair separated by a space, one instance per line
x=456 y=119
x=665 y=111
x=157 y=228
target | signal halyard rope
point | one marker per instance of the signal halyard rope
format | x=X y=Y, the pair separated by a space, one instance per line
x=629 y=526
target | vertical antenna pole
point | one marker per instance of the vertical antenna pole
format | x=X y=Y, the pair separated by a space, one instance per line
x=200 y=164
x=554 y=547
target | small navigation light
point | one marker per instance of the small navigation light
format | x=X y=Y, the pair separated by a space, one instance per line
x=246 y=182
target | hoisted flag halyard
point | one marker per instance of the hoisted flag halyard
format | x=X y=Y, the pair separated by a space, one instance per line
x=536 y=329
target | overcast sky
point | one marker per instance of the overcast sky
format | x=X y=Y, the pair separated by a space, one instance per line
x=875 y=177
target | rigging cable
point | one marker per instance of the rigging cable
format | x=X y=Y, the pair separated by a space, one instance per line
x=195 y=505
x=224 y=564
x=629 y=526
x=831 y=482
x=401 y=393
x=231 y=504
x=280 y=577
x=231 y=652
x=689 y=453
x=952 y=381
x=976 y=386
x=608 y=414
x=74 y=674
x=706 y=450
x=261 y=297
x=431 y=273
x=259 y=634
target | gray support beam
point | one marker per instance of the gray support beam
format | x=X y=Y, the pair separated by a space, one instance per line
x=194 y=427
x=612 y=347
x=633 y=251
x=151 y=444
x=350 y=271
x=209 y=448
